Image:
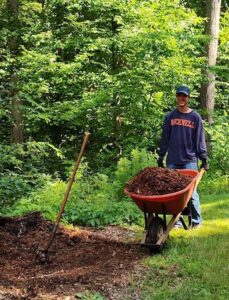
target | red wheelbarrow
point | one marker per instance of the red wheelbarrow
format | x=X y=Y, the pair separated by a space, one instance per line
x=175 y=204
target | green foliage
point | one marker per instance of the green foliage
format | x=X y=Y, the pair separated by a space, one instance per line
x=110 y=67
x=127 y=168
x=211 y=185
x=107 y=66
x=222 y=106
x=12 y=187
x=219 y=152
x=98 y=199
x=91 y=203
x=95 y=200
x=23 y=168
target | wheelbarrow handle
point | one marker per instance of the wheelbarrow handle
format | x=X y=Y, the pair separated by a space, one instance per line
x=200 y=175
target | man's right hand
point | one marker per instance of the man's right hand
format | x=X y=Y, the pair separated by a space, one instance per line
x=160 y=163
x=204 y=164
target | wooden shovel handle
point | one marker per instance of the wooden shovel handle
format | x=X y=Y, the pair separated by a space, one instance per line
x=86 y=137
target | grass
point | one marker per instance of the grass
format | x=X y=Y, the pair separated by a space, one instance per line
x=195 y=264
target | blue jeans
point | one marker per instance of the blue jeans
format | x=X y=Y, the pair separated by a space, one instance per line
x=195 y=200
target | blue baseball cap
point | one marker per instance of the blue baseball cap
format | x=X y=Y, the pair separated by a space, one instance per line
x=183 y=89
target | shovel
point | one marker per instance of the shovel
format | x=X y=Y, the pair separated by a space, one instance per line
x=42 y=254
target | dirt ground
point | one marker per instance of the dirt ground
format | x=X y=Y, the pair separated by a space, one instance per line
x=80 y=259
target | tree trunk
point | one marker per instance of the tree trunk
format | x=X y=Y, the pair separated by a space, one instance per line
x=13 y=11
x=116 y=97
x=207 y=92
x=16 y=113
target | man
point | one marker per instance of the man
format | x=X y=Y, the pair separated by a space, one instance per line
x=184 y=142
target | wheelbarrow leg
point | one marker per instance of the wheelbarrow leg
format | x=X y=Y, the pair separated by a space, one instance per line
x=187 y=212
x=189 y=206
x=148 y=217
x=183 y=223
x=144 y=235
x=171 y=223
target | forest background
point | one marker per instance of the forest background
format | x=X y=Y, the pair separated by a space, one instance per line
x=108 y=67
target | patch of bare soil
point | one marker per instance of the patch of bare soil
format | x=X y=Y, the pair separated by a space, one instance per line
x=158 y=181
x=98 y=260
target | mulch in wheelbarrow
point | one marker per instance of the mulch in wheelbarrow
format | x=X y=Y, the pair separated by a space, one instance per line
x=158 y=181
x=81 y=258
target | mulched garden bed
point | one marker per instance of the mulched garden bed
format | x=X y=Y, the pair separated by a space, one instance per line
x=158 y=181
x=98 y=260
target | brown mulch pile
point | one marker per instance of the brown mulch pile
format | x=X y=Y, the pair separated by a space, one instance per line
x=158 y=181
x=98 y=260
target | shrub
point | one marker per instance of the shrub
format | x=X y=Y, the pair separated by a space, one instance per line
x=95 y=200
x=128 y=167
x=22 y=169
x=219 y=151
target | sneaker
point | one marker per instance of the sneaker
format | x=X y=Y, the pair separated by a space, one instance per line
x=178 y=225
x=196 y=225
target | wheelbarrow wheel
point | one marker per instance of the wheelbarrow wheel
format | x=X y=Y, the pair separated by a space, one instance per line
x=156 y=228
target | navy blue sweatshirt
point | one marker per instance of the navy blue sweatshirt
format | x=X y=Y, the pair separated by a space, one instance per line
x=183 y=138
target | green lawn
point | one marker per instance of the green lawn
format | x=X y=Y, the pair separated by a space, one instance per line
x=195 y=264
